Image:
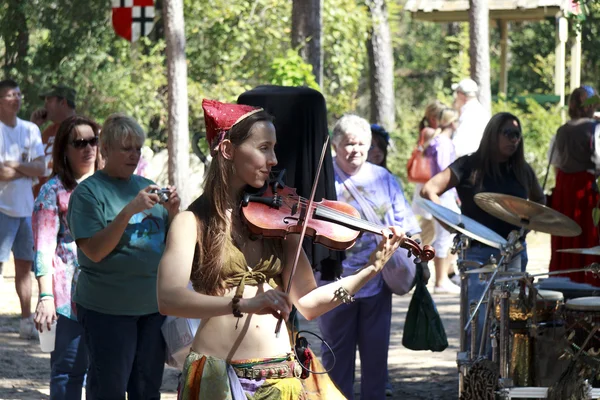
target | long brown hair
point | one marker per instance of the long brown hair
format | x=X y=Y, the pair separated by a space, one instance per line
x=486 y=160
x=64 y=135
x=211 y=212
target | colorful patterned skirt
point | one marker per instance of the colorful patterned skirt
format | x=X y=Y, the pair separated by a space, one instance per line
x=207 y=377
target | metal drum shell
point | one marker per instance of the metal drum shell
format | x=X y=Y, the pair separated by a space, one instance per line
x=548 y=304
x=581 y=315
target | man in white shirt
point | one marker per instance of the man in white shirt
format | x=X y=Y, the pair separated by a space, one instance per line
x=473 y=117
x=21 y=160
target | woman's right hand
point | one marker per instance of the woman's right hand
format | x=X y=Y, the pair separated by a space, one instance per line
x=45 y=314
x=273 y=302
x=143 y=201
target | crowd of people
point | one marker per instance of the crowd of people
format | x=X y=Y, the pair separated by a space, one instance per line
x=113 y=257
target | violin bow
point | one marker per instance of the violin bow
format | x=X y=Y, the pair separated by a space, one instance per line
x=304 y=225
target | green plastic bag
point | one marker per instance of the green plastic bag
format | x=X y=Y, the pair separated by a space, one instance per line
x=423 y=328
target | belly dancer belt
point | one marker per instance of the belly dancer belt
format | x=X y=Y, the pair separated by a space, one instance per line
x=268 y=369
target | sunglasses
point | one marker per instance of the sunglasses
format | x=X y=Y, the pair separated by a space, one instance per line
x=512 y=133
x=82 y=143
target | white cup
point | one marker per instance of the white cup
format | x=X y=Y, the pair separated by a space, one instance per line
x=48 y=337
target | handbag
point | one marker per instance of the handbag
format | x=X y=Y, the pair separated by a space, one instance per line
x=418 y=168
x=399 y=272
x=423 y=327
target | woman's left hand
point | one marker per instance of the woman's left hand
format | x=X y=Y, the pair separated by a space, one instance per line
x=174 y=202
x=386 y=248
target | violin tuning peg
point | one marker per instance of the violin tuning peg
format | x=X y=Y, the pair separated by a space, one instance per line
x=418 y=241
x=409 y=254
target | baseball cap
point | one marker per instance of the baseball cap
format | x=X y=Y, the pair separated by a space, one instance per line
x=60 y=91
x=466 y=86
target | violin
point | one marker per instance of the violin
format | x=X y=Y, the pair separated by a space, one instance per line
x=277 y=211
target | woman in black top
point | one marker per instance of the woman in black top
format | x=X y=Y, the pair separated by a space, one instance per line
x=498 y=166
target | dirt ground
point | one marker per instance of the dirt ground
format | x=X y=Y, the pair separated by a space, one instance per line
x=24 y=369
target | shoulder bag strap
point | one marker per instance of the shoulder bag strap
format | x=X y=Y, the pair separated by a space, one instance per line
x=364 y=205
x=549 y=163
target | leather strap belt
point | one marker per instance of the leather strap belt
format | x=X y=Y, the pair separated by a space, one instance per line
x=279 y=370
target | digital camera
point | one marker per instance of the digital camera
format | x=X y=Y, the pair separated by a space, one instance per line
x=163 y=194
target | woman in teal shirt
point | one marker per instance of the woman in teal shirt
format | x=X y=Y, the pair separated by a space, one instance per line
x=120 y=226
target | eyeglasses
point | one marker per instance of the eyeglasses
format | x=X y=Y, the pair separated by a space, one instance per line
x=13 y=96
x=82 y=143
x=512 y=133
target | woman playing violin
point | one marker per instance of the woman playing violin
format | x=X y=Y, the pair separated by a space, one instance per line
x=366 y=322
x=239 y=281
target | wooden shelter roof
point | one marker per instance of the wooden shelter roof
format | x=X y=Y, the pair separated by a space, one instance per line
x=457 y=10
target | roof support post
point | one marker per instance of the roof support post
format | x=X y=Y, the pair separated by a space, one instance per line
x=503 y=25
x=576 y=61
x=560 y=51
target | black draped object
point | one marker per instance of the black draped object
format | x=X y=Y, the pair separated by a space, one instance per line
x=301 y=124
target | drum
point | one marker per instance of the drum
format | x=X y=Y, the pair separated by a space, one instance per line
x=582 y=316
x=527 y=366
x=547 y=303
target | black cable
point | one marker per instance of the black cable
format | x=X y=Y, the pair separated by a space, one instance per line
x=318 y=337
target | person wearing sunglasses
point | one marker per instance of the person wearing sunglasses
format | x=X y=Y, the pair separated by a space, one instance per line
x=119 y=223
x=571 y=152
x=21 y=161
x=498 y=166
x=75 y=157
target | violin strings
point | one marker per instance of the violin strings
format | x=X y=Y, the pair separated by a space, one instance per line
x=332 y=212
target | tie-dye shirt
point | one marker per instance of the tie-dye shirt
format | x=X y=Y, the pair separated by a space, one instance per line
x=55 y=249
x=385 y=195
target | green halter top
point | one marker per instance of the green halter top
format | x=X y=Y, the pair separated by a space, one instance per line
x=237 y=272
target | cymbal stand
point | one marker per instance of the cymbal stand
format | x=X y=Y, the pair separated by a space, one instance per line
x=461 y=244
x=506 y=252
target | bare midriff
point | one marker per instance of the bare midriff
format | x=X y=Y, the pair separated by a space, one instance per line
x=254 y=336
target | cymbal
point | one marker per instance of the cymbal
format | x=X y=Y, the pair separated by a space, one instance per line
x=463 y=224
x=527 y=214
x=592 y=251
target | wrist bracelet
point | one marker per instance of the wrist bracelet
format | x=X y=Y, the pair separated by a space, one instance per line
x=42 y=295
x=343 y=295
x=235 y=307
x=46 y=298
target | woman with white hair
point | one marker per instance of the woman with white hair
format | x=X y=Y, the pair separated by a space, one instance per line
x=120 y=225
x=366 y=321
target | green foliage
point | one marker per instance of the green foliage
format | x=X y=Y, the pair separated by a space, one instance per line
x=345 y=27
x=291 y=70
x=456 y=54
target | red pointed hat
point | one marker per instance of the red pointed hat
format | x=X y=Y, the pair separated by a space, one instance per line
x=221 y=117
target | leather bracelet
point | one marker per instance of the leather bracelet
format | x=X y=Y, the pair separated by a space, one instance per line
x=343 y=295
x=235 y=307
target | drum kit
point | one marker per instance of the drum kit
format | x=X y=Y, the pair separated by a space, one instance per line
x=533 y=343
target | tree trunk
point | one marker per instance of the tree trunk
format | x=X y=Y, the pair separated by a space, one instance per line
x=307 y=30
x=479 y=49
x=14 y=30
x=381 y=63
x=179 y=140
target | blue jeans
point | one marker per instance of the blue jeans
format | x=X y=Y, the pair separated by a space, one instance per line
x=476 y=286
x=127 y=354
x=68 y=361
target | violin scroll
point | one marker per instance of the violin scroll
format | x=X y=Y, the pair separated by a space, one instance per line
x=424 y=253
